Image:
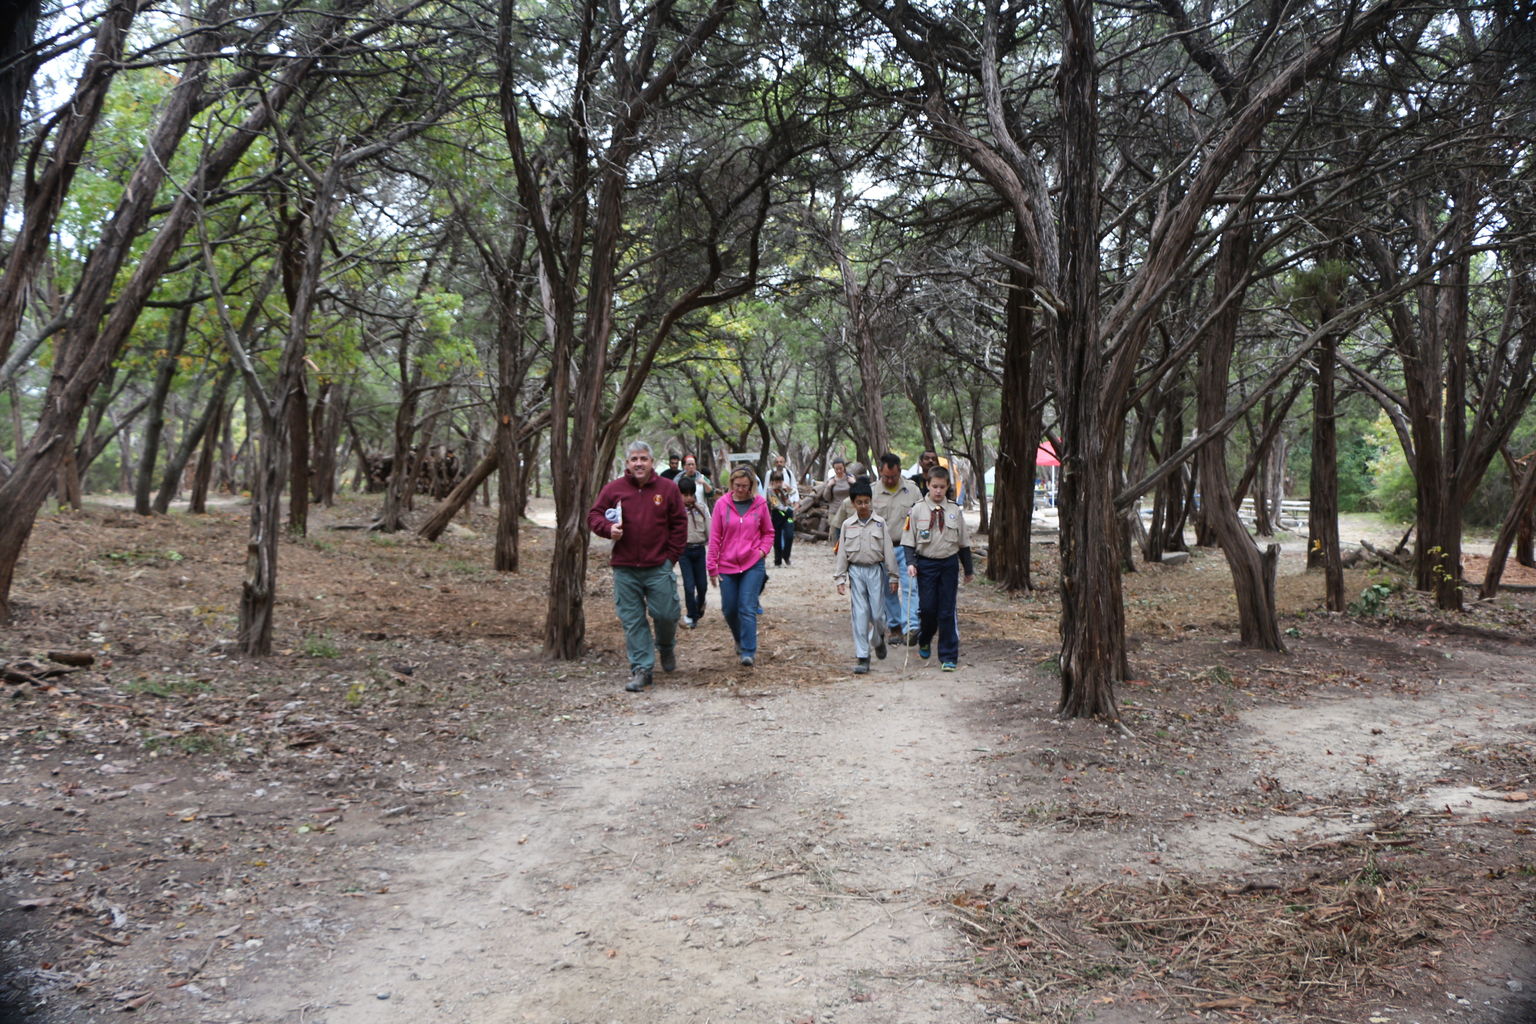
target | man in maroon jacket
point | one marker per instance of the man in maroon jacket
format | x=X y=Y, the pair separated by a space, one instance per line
x=642 y=513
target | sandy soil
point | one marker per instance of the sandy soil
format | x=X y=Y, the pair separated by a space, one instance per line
x=526 y=842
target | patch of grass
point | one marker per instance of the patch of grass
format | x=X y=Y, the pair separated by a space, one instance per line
x=1371 y=874
x=1218 y=674
x=189 y=743
x=141 y=556
x=1039 y=812
x=165 y=686
x=320 y=646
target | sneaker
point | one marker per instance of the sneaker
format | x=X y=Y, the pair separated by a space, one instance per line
x=948 y=666
x=689 y=623
x=880 y=647
x=639 y=679
x=668 y=659
x=746 y=660
x=923 y=650
x=862 y=668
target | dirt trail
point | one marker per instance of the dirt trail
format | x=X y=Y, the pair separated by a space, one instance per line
x=725 y=848
x=719 y=853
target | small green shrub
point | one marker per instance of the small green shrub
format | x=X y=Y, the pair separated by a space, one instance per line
x=1373 y=599
x=139 y=556
x=188 y=743
x=165 y=686
x=320 y=646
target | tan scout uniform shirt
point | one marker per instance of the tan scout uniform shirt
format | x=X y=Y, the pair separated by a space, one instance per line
x=946 y=532
x=698 y=524
x=864 y=542
x=892 y=506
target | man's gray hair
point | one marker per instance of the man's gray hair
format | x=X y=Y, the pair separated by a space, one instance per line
x=637 y=446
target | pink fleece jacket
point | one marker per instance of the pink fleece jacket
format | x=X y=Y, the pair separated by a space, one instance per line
x=736 y=541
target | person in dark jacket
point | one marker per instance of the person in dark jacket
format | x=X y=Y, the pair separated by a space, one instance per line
x=642 y=513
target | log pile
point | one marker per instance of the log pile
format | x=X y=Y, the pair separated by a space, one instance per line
x=436 y=471
x=813 y=519
x=1368 y=555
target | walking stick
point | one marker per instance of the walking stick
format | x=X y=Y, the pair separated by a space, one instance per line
x=906 y=648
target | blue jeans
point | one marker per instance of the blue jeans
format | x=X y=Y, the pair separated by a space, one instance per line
x=695 y=580
x=907 y=598
x=783 y=536
x=938 y=581
x=636 y=591
x=738 y=603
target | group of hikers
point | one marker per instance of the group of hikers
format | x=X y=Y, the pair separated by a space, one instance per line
x=900 y=543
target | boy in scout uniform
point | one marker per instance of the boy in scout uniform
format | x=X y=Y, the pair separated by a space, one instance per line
x=938 y=547
x=866 y=561
x=893 y=496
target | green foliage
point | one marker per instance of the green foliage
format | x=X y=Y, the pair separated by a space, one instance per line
x=1356 y=483
x=165 y=686
x=1217 y=674
x=320 y=646
x=1393 y=491
x=190 y=743
x=1373 y=599
x=141 y=556
x=1314 y=291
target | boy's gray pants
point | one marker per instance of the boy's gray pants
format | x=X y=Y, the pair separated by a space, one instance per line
x=866 y=587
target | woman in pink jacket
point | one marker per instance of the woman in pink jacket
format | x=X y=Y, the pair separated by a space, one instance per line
x=740 y=536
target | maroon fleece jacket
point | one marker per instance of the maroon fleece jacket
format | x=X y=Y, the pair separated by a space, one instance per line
x=655 y=522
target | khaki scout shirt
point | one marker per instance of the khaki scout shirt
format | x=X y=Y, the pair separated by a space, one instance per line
x=946 y=535
x=698 y=524
x=892 y=506
x=864 y=542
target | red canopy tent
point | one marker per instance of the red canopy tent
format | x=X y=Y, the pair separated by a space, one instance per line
x=1045 y=458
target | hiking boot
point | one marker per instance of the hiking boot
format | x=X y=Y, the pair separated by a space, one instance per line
x=862 y=668
x=912 y=638
x=948 y=666
x=897 y=638
x=746 y=660
x=668 y=659
x=879 y=647
x=923 y=650
x=639 y=679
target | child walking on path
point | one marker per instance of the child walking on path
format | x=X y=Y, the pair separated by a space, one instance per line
x=781 y=507
x=865 y=562
x=938 y=546
x=695 y=572
x=893 y=496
